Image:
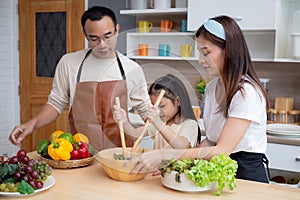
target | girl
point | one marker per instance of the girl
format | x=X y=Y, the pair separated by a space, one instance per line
x=173 y=123
x=235 y=104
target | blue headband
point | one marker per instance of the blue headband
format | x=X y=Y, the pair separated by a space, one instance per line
x=215 y=28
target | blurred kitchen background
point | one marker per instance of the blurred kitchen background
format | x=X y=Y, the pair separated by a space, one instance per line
x=284 y=75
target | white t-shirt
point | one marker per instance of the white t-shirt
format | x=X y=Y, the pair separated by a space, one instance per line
x=94 y=69
x=251 y=106
x=187 y=129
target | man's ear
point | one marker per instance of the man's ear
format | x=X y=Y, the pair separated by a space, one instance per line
x=117 y=29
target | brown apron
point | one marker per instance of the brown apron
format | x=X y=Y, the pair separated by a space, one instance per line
x=92 y=112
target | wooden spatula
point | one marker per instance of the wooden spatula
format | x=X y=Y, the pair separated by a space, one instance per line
x=121 y=130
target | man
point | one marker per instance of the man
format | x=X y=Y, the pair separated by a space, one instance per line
x=89 y=80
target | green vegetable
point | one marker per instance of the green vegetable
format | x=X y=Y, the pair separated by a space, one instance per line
x=92 y=149
x=119 y=157
x=42 y=147
x=200 y=86
x=221 y=169
x=7 y=170
x=25 y=188
x=10 y=180
x=67 y=136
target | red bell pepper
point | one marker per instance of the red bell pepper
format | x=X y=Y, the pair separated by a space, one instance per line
x=80 y=151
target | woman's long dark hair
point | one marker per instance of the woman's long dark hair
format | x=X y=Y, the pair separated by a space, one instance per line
x=237 y=61
x=175 y=89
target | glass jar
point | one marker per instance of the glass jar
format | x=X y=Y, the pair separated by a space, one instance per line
x=281 y=116
x=271 y=115
x=293 y=116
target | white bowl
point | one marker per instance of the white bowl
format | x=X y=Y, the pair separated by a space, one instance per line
x=185 y=185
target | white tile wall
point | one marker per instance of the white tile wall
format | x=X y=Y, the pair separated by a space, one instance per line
x=9 y=74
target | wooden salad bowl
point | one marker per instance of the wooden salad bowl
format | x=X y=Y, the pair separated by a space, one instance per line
x=115 y=168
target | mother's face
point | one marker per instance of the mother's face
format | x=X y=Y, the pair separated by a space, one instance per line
x=211 y=56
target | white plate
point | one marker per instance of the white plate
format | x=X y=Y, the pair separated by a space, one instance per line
x=288 y=185
x=287 y=135
x=186 y=185
x=283 y=128
x=48 y=184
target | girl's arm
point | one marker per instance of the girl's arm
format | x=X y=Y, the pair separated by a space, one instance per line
x=174 y=139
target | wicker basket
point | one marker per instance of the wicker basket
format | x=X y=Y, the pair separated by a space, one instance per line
x=67 y=164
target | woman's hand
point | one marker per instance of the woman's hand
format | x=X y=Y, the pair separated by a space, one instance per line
x=146 y=162
x=149 y=161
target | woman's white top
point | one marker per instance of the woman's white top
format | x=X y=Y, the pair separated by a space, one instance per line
x=251 y=106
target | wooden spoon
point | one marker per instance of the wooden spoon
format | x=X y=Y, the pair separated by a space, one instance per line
x=138 y=141
x=121 y=129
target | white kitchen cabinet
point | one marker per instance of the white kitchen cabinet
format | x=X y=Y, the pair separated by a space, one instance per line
x=153 y=12
x=254 y=14
x=175 y=38
x=284 y=157
x=267 y=24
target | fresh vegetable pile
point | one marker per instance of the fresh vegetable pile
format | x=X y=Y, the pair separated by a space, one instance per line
x=65 y=146
x=21 y=174
x=221 y=169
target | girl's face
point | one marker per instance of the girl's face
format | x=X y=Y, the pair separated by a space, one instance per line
x=211 y=57
x=168 y=109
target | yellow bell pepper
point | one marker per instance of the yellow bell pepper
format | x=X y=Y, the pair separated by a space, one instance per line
x=60 y=149
x=56 y=133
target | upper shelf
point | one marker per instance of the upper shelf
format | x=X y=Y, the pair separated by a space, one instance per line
x=169 y=11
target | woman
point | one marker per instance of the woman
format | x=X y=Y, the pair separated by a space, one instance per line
x=173 y=123
x=235 y=106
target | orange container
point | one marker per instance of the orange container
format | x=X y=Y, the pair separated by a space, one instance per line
x=143 y=49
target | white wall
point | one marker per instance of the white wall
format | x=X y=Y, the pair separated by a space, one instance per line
x=9 y=74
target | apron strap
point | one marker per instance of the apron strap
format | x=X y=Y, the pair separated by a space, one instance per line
x=87 y=54
x=121 y=67
x=266 y=162
x=80 y=68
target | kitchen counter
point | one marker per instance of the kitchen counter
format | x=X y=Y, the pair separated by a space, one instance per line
x=284 y=140
x=91 y=182
x=271 y=138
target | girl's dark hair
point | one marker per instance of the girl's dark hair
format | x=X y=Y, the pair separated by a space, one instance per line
x=237 y=61
x=97 y=13
x=175 y=88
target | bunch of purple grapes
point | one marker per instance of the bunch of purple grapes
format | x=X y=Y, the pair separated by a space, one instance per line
x=34 y=172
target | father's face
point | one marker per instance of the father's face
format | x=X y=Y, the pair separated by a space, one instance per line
x=102 y=37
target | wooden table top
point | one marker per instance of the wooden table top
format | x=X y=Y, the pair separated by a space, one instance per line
x=91 y=182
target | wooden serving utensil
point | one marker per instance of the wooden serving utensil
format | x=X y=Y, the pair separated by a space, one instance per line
x=121 y=130
x=138 y=141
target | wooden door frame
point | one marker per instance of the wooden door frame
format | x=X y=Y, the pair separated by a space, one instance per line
x=34 y=90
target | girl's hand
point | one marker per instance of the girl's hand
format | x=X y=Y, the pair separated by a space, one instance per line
x=119 y=114
x=154 y=116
